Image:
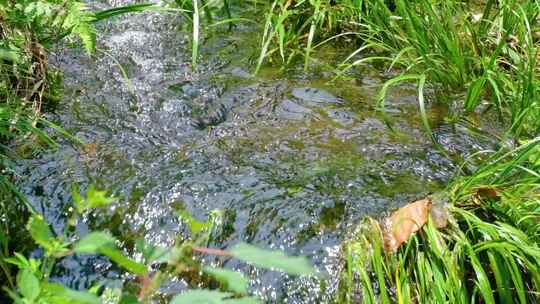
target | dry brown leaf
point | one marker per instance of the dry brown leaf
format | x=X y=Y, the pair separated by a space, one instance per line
x=404 y=222
x=90 y=149
x=488 y=193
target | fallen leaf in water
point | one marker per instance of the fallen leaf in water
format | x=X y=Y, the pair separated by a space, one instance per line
x=487 y=193
x=404 y=222
x=90 y=148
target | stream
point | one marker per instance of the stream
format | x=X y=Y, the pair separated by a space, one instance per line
x=292 y=159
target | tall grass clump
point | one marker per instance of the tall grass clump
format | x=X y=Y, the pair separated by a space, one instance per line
x=202 y=14
x=294 y=29
x=484 y=54
x=479 y=55
x=488 y=253
x=290 y=31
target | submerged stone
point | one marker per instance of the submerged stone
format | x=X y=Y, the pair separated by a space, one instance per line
x=288 y=109
x=240 y=73
x=315 y=95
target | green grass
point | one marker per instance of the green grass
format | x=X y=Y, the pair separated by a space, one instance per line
x=489 y=252
x=291 y=31
x=483 y=54
x=294 y=29
x=485 y=57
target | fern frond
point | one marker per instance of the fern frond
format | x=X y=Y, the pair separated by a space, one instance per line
x=79 y=21
x=87 y=33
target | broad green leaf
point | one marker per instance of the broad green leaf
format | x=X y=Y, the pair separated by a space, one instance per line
x=9 y=55
x=272 y=259
x=201 y=296
x=28 y=285
x=64 y=295
x=233 y=281
x=195 y=226
x=152 y=253
x=19 y=260
x=129 y=299
x=97 y=199
x=94 y=198
x=22 y=262
x=40 y=232
x=93 y=242
x=95 y=288
x=246 y=300
x=119 y=258
x=102 y=243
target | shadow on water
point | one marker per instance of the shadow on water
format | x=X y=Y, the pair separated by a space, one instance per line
x=292 y=161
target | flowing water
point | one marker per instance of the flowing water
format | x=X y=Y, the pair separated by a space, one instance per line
x=292 y=160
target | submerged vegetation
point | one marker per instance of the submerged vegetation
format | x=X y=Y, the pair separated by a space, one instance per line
x=472 y=56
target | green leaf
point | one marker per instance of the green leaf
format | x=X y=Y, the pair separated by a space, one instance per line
x=4 y=238
x=9 y=55
x=474 y=93
x=132 y=8
x=201 y=296
x=195 y=226
x=195 y=39
x=129 y=299
x=272 y=259
x=28 y=285
x=80 y=203
x=152 y=253
x=40 y=232
x=64 y=295
x=94 y=198
x=245 y=300
x=93 y=242
x=118 y=257
x=79 y=21
x=103 y=243
x=22 y=262
x=482 y=280
x=98 y=199
x=233 y=281
x=159 y=255
x=87 y=33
